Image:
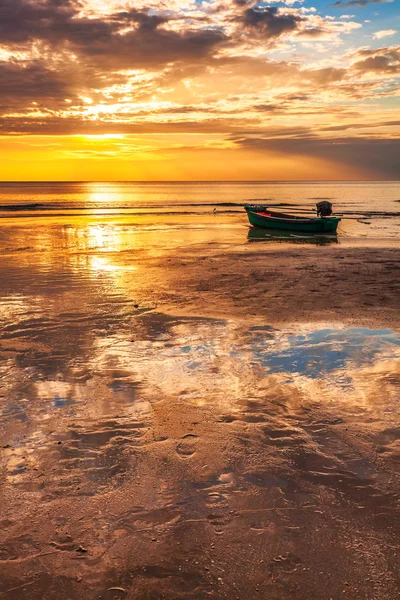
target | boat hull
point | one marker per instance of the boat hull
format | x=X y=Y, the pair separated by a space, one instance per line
x=324 y=225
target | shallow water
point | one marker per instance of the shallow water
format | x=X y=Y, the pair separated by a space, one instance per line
x=370 y=209
x=149 y=454
x=125 y=364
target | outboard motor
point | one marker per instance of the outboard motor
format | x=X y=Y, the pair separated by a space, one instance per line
x=324 y=209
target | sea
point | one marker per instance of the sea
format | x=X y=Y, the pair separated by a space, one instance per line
x=368 y=208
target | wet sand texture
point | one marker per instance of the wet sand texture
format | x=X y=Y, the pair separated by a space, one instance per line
x=204 y=421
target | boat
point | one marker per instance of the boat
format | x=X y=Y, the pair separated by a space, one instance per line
x=261 y=216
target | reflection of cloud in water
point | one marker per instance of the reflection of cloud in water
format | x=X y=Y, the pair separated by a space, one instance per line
x=201 y=361
x=320 y=352
x=136 y=384
x=59 y=393
x=217 y=361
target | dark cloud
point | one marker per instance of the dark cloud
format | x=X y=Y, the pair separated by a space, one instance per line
x=153 y=48
x=268 y=108
x=379 y=60
x=145 y=21
x=359 y=2
x=56 y=23
x=269 y=22
x=53 y=125
x=20 y=84
x=392 y=51
x=24 y=20
x=372 y=156
x=295 y=97
x=346 y=126
x=273 y=133
x=378 y=64
x=312 y=32
x=324 y=77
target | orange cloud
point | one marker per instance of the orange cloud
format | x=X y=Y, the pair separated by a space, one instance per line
x=220 y=67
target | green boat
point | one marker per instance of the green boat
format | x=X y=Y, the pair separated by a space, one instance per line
x=261 y=216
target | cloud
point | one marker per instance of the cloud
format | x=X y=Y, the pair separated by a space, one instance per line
x=221 y=94
x=33 y=81
x=324 y=77
x=383 y=33
x=360 y=2
x=152 y=35
x=379 y=60
x=77 y=66
x=347 y=126
x=131 y=38
x=269 y=22
x=371 y=156
x=312 y=32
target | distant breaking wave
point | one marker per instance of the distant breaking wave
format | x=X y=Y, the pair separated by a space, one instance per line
x=53 y=206
x=80 y=208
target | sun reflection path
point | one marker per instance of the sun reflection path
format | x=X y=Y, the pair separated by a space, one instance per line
x=99 y=263
x=100 y=197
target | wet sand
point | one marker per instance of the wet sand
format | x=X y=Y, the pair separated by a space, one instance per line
x=196 y=414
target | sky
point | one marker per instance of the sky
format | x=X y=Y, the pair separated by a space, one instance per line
x=199 y=90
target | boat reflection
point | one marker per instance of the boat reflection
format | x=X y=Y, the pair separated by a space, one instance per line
x=256 y=234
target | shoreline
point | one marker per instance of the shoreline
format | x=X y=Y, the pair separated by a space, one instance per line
x=185 y=414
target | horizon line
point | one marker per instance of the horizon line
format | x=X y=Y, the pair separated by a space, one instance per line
x=155 y=181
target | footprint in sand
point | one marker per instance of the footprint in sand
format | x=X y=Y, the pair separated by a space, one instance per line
x=187 y=447
x=226 y=478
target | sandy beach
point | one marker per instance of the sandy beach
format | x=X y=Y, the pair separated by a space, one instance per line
x=197 y=413
x=199 y=300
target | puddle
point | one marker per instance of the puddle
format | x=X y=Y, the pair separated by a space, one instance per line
x=217 y=362
x=317 y=353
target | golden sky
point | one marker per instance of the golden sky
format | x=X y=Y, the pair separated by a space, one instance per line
x=199 y=90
